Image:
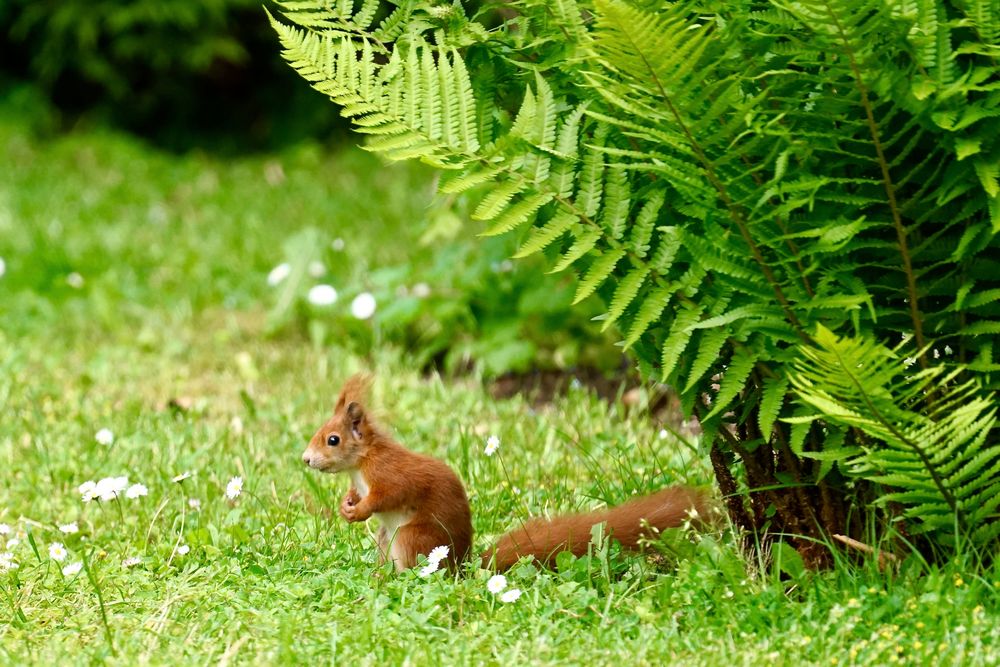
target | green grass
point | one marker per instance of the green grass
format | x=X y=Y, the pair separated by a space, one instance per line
x=173 y=254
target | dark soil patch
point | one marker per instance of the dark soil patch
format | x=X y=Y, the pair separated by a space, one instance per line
x=542 y=387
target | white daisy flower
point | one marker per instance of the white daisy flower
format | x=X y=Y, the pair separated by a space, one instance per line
x=278 y=274
x=363 y=306
x=438 y=554
x=234 y=488
x=72 y=569
x=338 y=244
x=194 y=504
x=136 y=491
x=88 y=491
x=317 y=269
x=104 y=437
x=663 y=434
x=7 y=561
x=322 y=295
x=492 y=445
x=69 y=528
x=511 y=596
x=57 y=551
x=4 y=529
x=181 y=477
x=109 y=488
x=183 y=549
x=74 y=280
x=131 y=562
x=105 y=491
x=421 y=290
x=11 y=543
x=496 y=584
x=430 y=568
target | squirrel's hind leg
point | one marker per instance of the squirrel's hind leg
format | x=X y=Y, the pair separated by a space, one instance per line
x=410 y=542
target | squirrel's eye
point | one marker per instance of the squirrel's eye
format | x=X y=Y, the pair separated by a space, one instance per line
x=333 y=440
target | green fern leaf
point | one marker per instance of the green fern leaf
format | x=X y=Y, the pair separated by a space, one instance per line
x=497 y=200
x=988 y=172
x=466 y=132
x=936 y=457
x=666 y=250
x=564 y=173
x=650 y=310
x=772 y=398
x=617 y=193
x=430 y=105
x=526 y=117
x=584 y=243
x=542 y=236
x=591 y=179
x=536 y=164
x=518 y=214
x=470 y=179
x=598 y=273
x=642 y=228
x=733 y=380
x=708 y=354
x=627 y=290
x=364 y=17
x=678 y=339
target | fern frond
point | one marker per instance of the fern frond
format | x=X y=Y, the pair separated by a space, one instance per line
x=626 y=293
x=598 y=273
x=496 y=201
x=938 y=432
x=733 y=380
x=645 y=220
x=709 y=346
x=772 y=397
x=650 y=310
x=542 y=236
x=518 y=214
x=585 y=242
x=677 y=339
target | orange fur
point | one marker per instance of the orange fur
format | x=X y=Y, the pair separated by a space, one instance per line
x=422 y=504
x=425 y=489
x=419 y=497
x=542 y=539
x=356 y=388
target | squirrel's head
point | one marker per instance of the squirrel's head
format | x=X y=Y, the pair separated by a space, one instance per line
x=342 y=441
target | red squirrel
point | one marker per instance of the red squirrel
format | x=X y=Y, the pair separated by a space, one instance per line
x=421 y=503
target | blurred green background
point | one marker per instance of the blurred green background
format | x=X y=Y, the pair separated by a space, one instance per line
x=170 y=135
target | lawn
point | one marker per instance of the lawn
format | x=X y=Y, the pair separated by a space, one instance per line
x=135 y=298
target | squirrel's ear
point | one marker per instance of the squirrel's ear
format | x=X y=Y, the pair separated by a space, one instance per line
x=355 y=389
x=355 y=414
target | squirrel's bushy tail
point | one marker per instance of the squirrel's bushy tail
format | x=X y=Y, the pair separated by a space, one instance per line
x=627 y=523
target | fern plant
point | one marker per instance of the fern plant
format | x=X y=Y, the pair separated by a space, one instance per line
x=725 y=176
x=922 y=433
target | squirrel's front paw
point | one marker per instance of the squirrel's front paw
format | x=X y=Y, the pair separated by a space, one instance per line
x=349 y=510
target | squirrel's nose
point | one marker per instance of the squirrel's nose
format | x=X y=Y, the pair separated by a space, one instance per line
x=306 y=459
